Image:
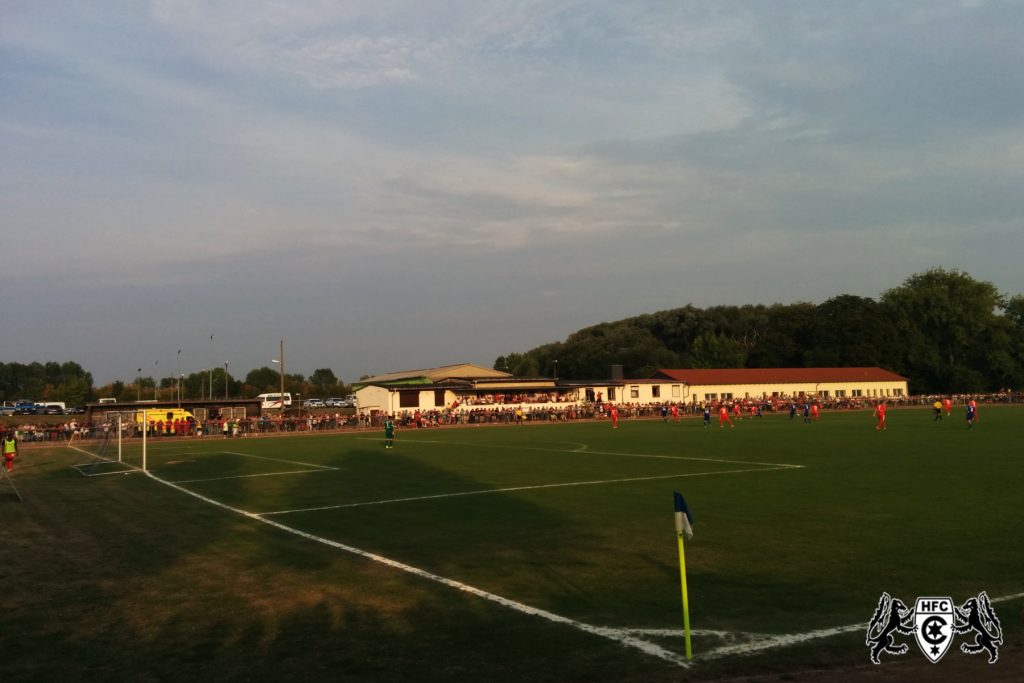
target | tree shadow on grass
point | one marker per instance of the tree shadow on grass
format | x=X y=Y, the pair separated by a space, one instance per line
x=130 y=580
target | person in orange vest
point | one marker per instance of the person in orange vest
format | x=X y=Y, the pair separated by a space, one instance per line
x=10 y=446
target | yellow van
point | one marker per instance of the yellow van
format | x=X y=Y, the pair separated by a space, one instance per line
x=165 y=415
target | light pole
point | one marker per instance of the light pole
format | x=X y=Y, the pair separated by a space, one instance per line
x=556 y=369
x=178 y=372
x=138 y=385
x=155 y=383
x=281 y=363
x=225 y=380
x=212 y=355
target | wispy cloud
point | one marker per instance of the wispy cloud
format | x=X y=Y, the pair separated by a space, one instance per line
x=406 y=147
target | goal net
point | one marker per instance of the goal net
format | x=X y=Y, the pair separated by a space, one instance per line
x=111 y=445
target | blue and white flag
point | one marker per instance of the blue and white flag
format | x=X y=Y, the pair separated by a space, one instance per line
x=684 y=520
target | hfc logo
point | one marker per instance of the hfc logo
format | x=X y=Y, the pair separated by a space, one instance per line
x=934 y=621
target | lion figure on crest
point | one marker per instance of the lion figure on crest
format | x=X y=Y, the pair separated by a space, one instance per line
x=891 y=617
x=978 y=616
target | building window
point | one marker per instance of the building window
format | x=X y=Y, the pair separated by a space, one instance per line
x=710 y=397
x=824 y=394
x=675 y=391
x=409 y=399
x=897 y=392
x=856 y=393
x=727 y=397
x=655 y=391
x=840 y=393
x=611 y=393
x=438 y=398
x=634 y=391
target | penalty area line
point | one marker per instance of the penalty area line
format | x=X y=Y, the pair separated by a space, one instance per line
x=534 y=487
x=615 y=635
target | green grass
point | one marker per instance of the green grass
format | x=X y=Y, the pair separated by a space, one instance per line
x=129 y=579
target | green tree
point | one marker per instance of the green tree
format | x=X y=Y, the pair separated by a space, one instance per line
x=783 y=341
x=324 y=382
x=519 y=364
x=264 y=380
x=851 y=331
x=712 y=350
x=944 y=318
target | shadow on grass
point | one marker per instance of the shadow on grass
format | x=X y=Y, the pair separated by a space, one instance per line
x=129 y=580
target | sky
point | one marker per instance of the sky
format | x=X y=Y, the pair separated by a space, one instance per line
x=391 y=185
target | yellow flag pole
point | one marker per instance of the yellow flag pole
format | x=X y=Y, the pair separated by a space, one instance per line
x=683 y=525
x=686 y=601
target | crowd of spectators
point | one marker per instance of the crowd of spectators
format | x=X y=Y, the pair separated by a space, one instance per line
x=514 y=399
x=467 y=414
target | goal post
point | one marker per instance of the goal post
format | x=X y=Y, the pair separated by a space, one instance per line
x=112 y=442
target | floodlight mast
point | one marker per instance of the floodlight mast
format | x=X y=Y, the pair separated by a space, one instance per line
x=281 y=363
x=145 y=429
x=178 y=370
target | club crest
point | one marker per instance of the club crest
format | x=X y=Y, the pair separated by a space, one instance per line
x=933 y=626
x=934 y=622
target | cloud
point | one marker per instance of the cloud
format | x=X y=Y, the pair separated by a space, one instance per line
x=438 y=156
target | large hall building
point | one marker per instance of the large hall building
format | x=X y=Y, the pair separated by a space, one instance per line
x=466 y=386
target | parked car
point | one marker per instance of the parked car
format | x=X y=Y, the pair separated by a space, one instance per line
x=25 y=408
x=314 y=403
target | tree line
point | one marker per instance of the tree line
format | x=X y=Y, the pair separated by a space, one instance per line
x=69 y=383
x=942 y=329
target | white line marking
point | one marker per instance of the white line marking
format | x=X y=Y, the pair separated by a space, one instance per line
x=103 y=474
x=248 y=476
x=611 y=634
x=519 y=488
x=784 y=640
x=768 y=642
x=679 y=633
x=290 y=462
x=620 y=635
x=589 y=452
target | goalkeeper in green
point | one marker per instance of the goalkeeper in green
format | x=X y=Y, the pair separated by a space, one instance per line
x=389 y=433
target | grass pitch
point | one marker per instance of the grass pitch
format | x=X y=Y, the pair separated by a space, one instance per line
x=542 y=552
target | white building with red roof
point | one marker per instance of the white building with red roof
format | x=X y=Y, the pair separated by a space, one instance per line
x=466 y=387
x=699 y=384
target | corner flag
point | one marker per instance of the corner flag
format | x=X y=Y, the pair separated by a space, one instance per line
x=684 y=520
x=684 y=525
